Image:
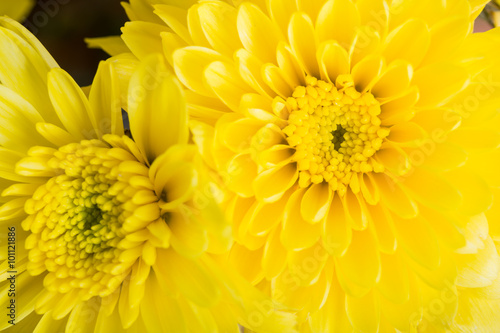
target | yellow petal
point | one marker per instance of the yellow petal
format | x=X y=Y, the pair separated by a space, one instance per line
x=476 y=7
x=176 y=19
x=394 y=81
x=337 y=232
x=272 y=258
x=476 y=193
x=240 y=171
x=475 y=139
x=307 y=264
x=367 y=41
x=297 y=233
x=361 y=263
x=143 y=38
x=438 y=83
x=281 y=11
x=333 y=60
x=394 y=284
x=406 y=315
x=24 y=70
x=365 y=72
x=259 y=39
x=315 y=203
x=355 y=211
x=275 y=79
x=446 y=228
x=304 y=42
x=408 y=42
x=239 y=135
x=446 y=36
x=393 y=158
x=159 y=311
x=218 y=21
x=171 y=42
x=479 y=269
x=432 y=190
x=447 y=307
x=337 y=20
x=223 y=78
x=187 y=238
x=154 y=131
x=407 y=134
x=364 y=312
x=418 y=239
x=249 y=67
x=332 y=316
x=104 y=98
x=240 y=256
x=289 y=65
x=399 y=109
x=189 y=277
x=190 y=62
x=267 y=215
x=439 y=277
x=271 y=184
x=393 y=196
x=382 y=227
x=112 y=45
x=66 y=95
x=19 y=119
x=310 y=7
x=374 y=13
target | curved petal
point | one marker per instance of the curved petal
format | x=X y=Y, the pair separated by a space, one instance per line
x=157 y=109
x=270 y=185
x=315 y=203
x=296 y=233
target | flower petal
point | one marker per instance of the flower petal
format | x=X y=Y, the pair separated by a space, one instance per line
x=315 y=203
x=360 y=265
x=304 y=42
x=297 y=233
x=259 y=39
x=156 y=131
x=270 y=185
x=338 y=20
x=410 y=42
x=337 y=232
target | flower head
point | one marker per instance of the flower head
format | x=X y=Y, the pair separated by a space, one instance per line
x=114 y=232
x=356 y=138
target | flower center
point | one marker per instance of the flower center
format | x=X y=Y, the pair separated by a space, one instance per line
x=83 y=219
x=335 y=130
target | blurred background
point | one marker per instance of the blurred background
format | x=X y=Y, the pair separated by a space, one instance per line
x=61 y=25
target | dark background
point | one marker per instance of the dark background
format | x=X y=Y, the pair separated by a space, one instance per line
x=61 y=26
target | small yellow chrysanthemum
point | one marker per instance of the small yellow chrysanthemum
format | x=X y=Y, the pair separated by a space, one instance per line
x=359 y=141
x=16 y=9
x=112 y=233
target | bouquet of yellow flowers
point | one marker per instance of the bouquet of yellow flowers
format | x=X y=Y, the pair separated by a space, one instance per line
x=256 y=165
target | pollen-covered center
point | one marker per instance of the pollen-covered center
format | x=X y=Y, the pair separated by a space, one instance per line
x=335 y=130
x=85 y=220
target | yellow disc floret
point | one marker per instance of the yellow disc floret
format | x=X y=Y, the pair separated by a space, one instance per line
x=83 y=220
x=335 y=130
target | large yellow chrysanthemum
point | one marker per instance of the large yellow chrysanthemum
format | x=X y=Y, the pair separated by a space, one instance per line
x=359 y=140
x=16 y=9
x=111 y=233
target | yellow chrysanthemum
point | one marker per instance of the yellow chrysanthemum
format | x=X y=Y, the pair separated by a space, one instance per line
x=112 y=234
x=18 y=9
x=359 y=141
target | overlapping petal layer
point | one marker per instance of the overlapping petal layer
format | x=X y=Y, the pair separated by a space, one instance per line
x=114 y=233
x=356 y=139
